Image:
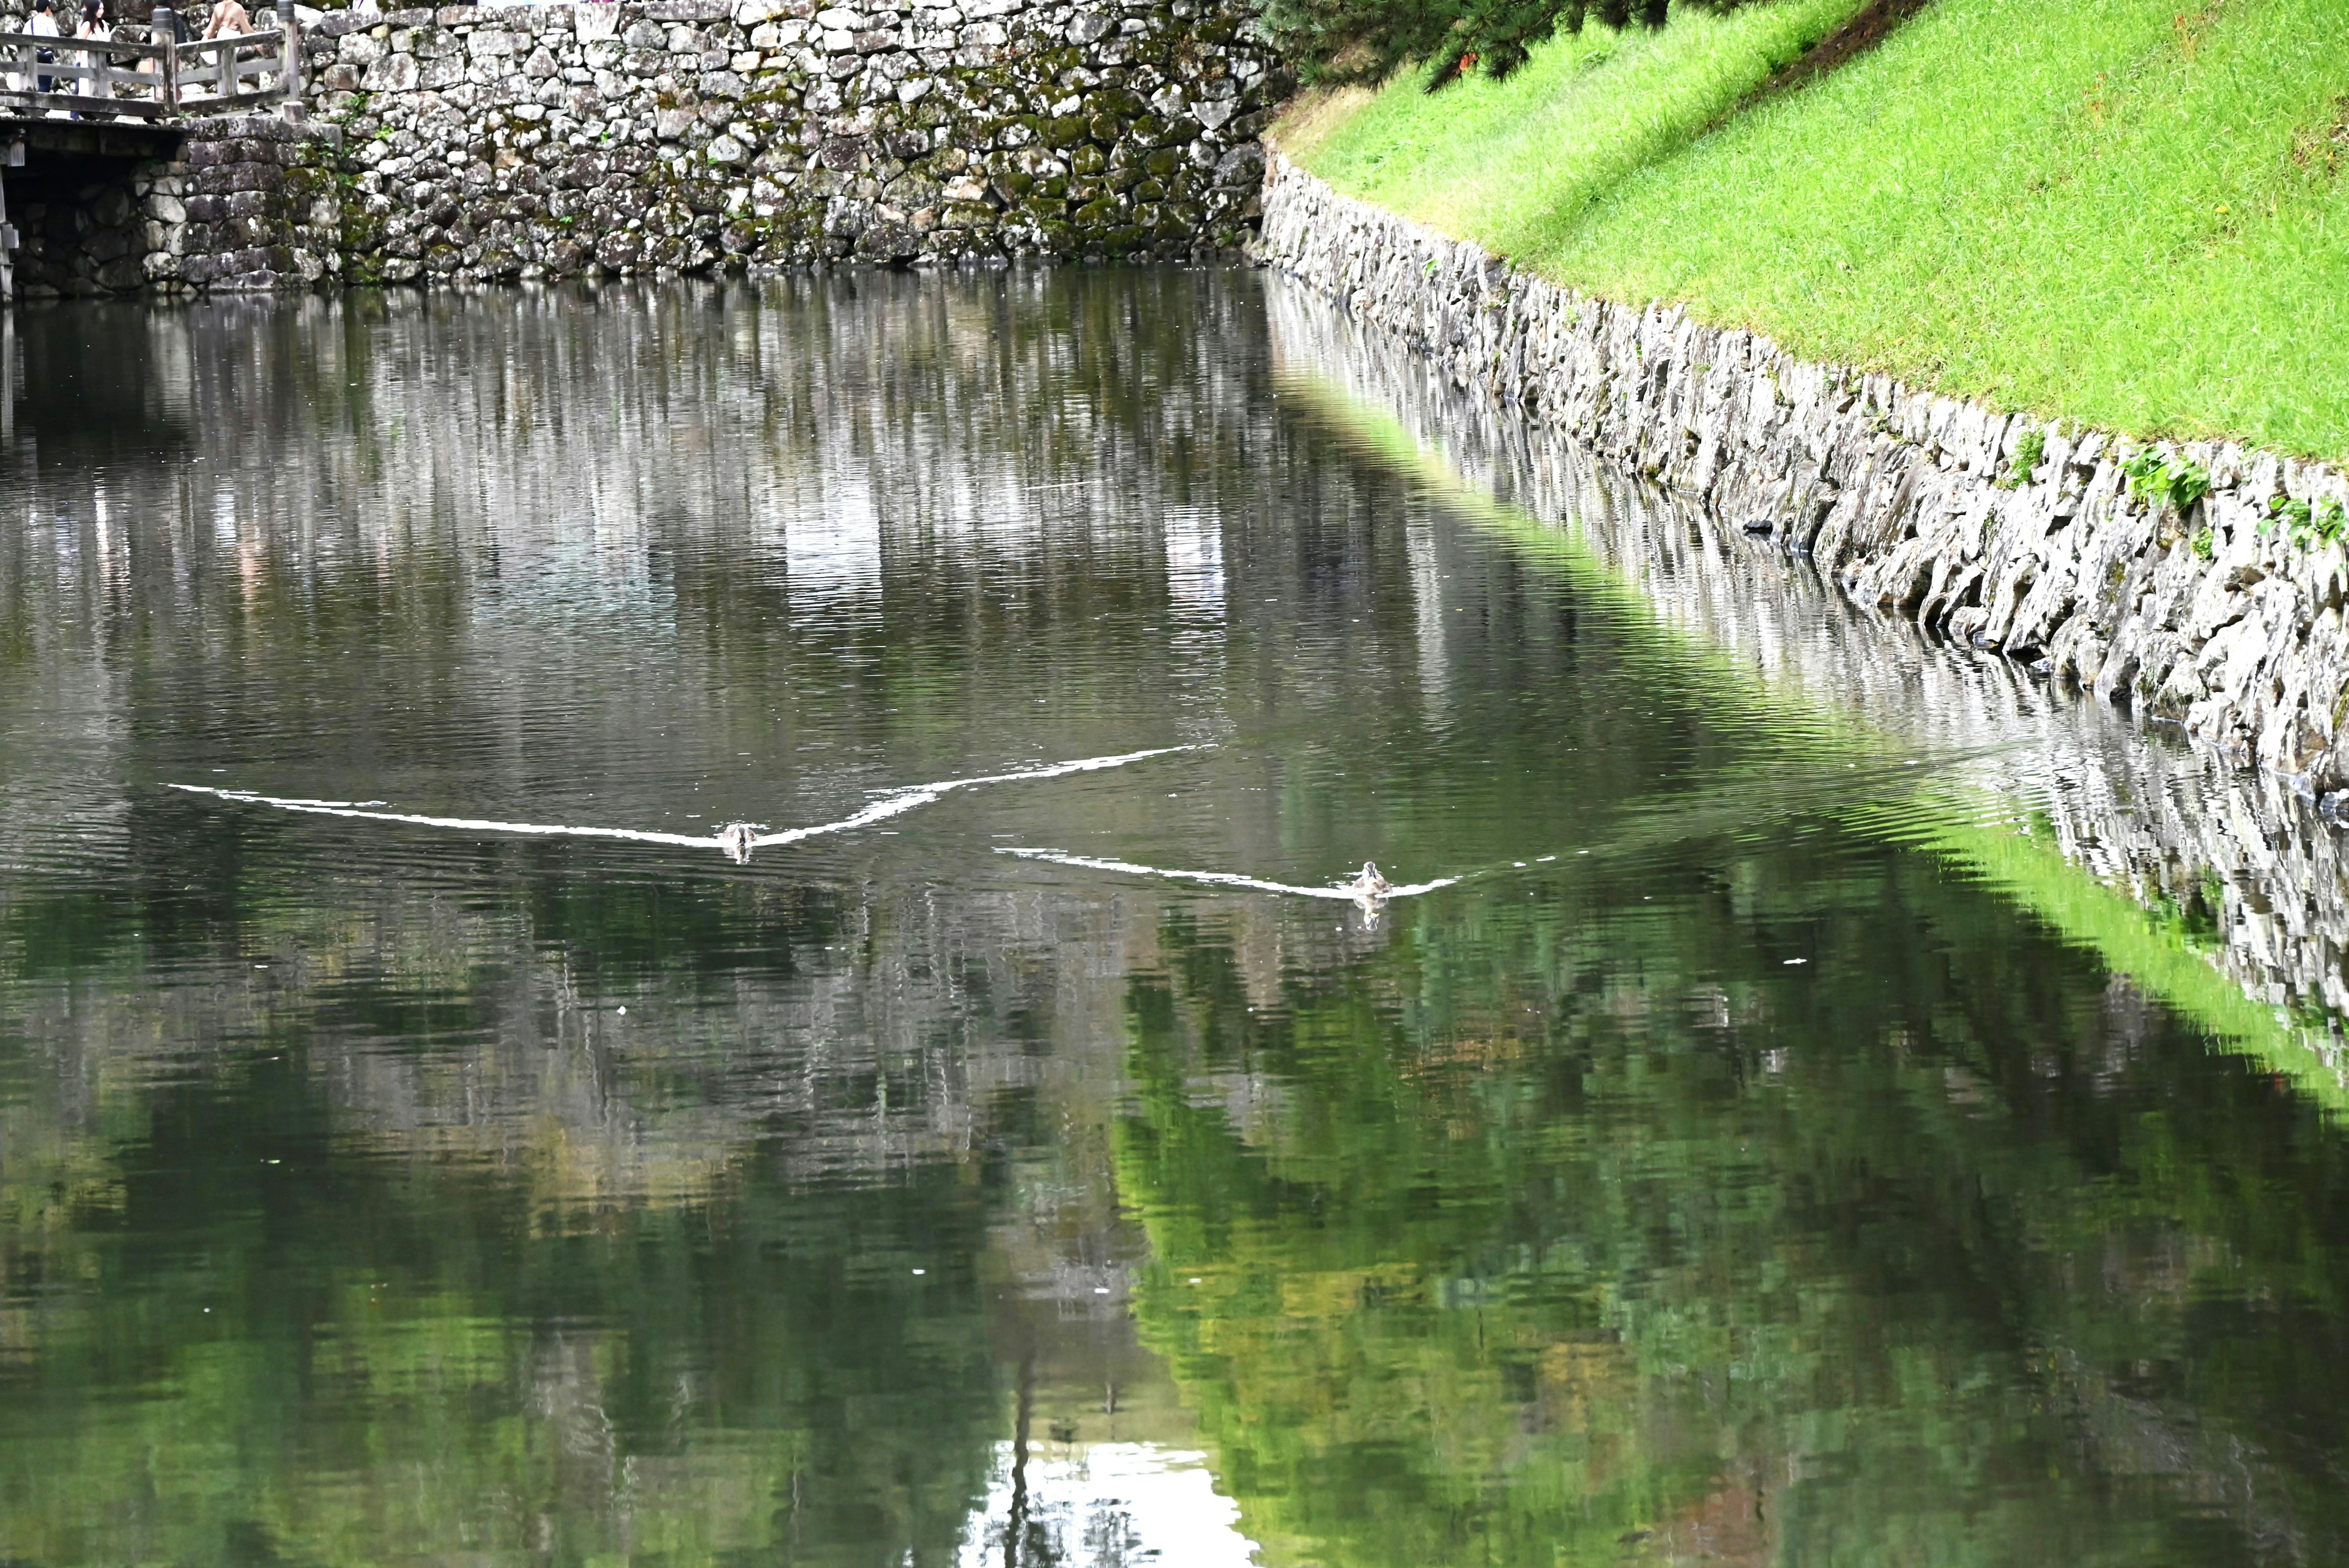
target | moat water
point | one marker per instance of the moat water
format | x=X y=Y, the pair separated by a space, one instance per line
x=1717 y=1167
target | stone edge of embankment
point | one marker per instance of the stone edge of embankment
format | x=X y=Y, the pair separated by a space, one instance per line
x=1907 y=499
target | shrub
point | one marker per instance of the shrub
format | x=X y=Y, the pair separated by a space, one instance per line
x=1368 y=40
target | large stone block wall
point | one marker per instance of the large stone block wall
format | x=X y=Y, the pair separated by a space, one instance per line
x=250 y=203
x=1908 y=500
x=541 y=141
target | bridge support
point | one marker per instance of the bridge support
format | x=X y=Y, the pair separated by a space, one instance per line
x=70 y=212
x=14 y=159
x=237 y=201
x=289 y=50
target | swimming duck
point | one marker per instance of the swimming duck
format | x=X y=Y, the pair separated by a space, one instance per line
x=738 y=840
x=1367 y=885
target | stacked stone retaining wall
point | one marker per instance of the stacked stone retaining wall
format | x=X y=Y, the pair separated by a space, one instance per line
x=2212 y=618
x=480 y=142
x=250 y=203
x=686 y=135
x=2232 y=859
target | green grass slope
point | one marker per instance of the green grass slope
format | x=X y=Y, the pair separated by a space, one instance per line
x=2107 y=209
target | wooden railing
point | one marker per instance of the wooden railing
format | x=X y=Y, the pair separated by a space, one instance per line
x=83 y=75
x=93 y=77
x=238 y=71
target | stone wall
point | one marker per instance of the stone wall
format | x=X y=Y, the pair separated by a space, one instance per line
x=250 y=203
x=1908 y=500
x=685 y=135
x=2257 y=879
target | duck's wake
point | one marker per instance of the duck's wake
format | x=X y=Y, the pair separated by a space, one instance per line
x=737 y=840
x=1368 y=888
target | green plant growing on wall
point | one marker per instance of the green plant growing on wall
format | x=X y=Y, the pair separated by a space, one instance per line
x=2206 y=545
x=2293 y=516
x=2305 y=525
x=2166 y=479
x=2029 y=450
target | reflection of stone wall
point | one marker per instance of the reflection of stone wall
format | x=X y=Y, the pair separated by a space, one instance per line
x=738 y=462
x=2174 y=825
x=1907 y=499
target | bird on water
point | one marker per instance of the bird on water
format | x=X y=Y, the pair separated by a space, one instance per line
x=1367 y=885
x=738 y=840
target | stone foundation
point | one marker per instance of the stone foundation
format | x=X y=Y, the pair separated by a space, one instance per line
x=246 y=202
x=252 y=202
x=1908 y=500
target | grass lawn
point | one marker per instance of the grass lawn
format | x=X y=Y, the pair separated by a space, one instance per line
x=2103 y=210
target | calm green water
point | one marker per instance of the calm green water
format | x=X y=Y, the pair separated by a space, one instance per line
x=1709 y=1176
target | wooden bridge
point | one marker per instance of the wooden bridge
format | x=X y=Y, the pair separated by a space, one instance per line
x=160 y=78
x=126 y=100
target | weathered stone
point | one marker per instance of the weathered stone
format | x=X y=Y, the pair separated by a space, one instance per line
x=2259 y=866
x=393 y=74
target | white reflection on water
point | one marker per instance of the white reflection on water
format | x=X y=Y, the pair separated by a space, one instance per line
x=1194 y=563
x=1107 y=1505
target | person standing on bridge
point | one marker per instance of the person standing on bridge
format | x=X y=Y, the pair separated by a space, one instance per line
x=43 y=24
x=93 y=26
x=228 y=17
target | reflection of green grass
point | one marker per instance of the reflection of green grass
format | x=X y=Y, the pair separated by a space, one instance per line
x=2155 y=949
x=1975 y=835
x=2124 y=210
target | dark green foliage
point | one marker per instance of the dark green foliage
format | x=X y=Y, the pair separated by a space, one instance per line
x=1366 y=40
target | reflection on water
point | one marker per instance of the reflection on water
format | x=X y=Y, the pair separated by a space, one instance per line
x=1721 y=1169
x=1106 y=1502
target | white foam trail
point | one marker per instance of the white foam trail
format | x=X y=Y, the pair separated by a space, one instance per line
x=462 y=824
x=898 y=801
x=1341 y=892
x=892 y=803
